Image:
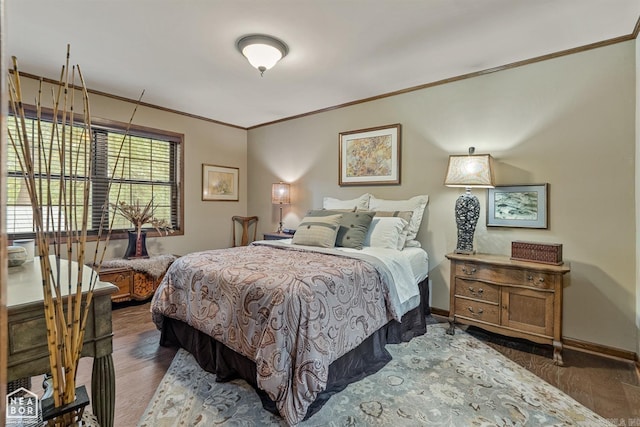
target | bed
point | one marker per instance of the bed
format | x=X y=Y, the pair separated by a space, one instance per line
x=298 y=322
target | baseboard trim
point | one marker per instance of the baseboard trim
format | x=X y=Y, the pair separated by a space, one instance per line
x=599 y=349
x=439 y=312
x=579 y=345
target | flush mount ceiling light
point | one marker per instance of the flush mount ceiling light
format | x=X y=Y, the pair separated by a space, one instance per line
x=262 y=51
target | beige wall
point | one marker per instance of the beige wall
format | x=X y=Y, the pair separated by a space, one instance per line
x=637 y=194
x=567 y=121
x=207 y=224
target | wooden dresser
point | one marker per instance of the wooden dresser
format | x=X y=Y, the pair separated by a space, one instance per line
x=513 y=298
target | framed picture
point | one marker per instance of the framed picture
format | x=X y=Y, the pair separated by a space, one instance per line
x=370 y=156
x=524 y=206
x=219 y=183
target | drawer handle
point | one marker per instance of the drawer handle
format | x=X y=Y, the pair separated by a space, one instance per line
x=468 y=270
x=474 y=292
x=479 y=313
x=540 y=279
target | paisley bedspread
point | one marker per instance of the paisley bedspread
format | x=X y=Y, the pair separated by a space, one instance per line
x=291 y=311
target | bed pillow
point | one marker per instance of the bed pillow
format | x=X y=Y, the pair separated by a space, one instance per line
x=361 y=202
x=386 y=232
x=406 y=215
x=318 y=231
x=415 y=204
x=353 y=226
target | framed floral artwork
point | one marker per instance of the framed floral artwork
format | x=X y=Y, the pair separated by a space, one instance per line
x=219 y=183
x=370 y=156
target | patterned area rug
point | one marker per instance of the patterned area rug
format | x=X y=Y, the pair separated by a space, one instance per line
x=434 y=380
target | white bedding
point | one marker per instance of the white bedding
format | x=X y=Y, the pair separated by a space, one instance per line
x=408 y=267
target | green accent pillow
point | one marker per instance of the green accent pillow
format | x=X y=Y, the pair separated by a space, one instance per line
x=353 y=226
x=318 y=231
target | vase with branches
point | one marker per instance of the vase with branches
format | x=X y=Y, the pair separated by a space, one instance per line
x=53 y=156
x=139 y=215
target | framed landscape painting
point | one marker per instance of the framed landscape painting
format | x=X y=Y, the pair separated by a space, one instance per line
x=219 y=183
x=370 y=156
x=524 y=206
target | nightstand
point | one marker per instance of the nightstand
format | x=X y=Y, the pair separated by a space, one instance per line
x=277 y=236
x=513 y=298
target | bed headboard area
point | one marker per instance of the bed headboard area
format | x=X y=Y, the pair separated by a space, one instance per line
x=363 y=221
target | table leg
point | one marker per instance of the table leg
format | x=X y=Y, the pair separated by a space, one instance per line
x=103 y=390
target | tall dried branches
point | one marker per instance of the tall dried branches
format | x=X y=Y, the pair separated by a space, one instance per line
x=60 y=198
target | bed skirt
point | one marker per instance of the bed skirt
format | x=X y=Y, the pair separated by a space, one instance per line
x=369 y=357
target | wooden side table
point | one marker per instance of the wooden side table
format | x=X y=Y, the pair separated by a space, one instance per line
x=277 y=236
x=134 y=282
x=514 y=298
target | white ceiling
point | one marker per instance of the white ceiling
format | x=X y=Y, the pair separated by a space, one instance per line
x=183 y=54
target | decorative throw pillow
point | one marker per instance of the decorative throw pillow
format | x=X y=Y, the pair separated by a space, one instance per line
x=318 y=231
x=361 y=202
x=353 y=226
x=415 y=204
x=385 y=232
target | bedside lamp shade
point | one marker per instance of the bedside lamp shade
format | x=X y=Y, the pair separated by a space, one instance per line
x=280 y=195
x=472 y=170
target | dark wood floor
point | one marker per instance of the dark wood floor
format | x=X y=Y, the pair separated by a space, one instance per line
x=609 y=387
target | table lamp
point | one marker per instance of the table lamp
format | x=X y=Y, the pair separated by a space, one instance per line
x=280 y=196
x=472 y=170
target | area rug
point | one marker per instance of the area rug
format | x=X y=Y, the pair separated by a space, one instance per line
x=434 y=380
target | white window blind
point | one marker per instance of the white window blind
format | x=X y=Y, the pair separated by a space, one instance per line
x=140 y=165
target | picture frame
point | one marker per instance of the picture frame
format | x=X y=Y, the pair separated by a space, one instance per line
x=220 y=183
x=370 y=156
x=518 y=206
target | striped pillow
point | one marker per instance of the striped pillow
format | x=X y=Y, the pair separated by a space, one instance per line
x=318 y=231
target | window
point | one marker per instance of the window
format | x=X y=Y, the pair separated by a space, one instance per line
x=140 y=164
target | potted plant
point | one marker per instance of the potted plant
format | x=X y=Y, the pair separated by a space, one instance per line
x=140 y=215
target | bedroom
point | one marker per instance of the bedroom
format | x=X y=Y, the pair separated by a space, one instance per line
x=569 y=121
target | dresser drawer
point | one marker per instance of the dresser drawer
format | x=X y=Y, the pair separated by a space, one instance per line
x=506 y=276
x=478 y=290
x=476 y=310
x=539 y=280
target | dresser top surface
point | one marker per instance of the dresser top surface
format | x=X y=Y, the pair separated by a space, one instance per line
x=25 y=282
x=503 y=260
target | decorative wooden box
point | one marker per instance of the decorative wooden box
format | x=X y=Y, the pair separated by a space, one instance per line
x=546 y=253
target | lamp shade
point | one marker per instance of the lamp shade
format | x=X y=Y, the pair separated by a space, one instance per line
x=473 y=170
x=280 y=194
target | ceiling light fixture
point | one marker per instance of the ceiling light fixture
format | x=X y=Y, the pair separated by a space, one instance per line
x=262 y=51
